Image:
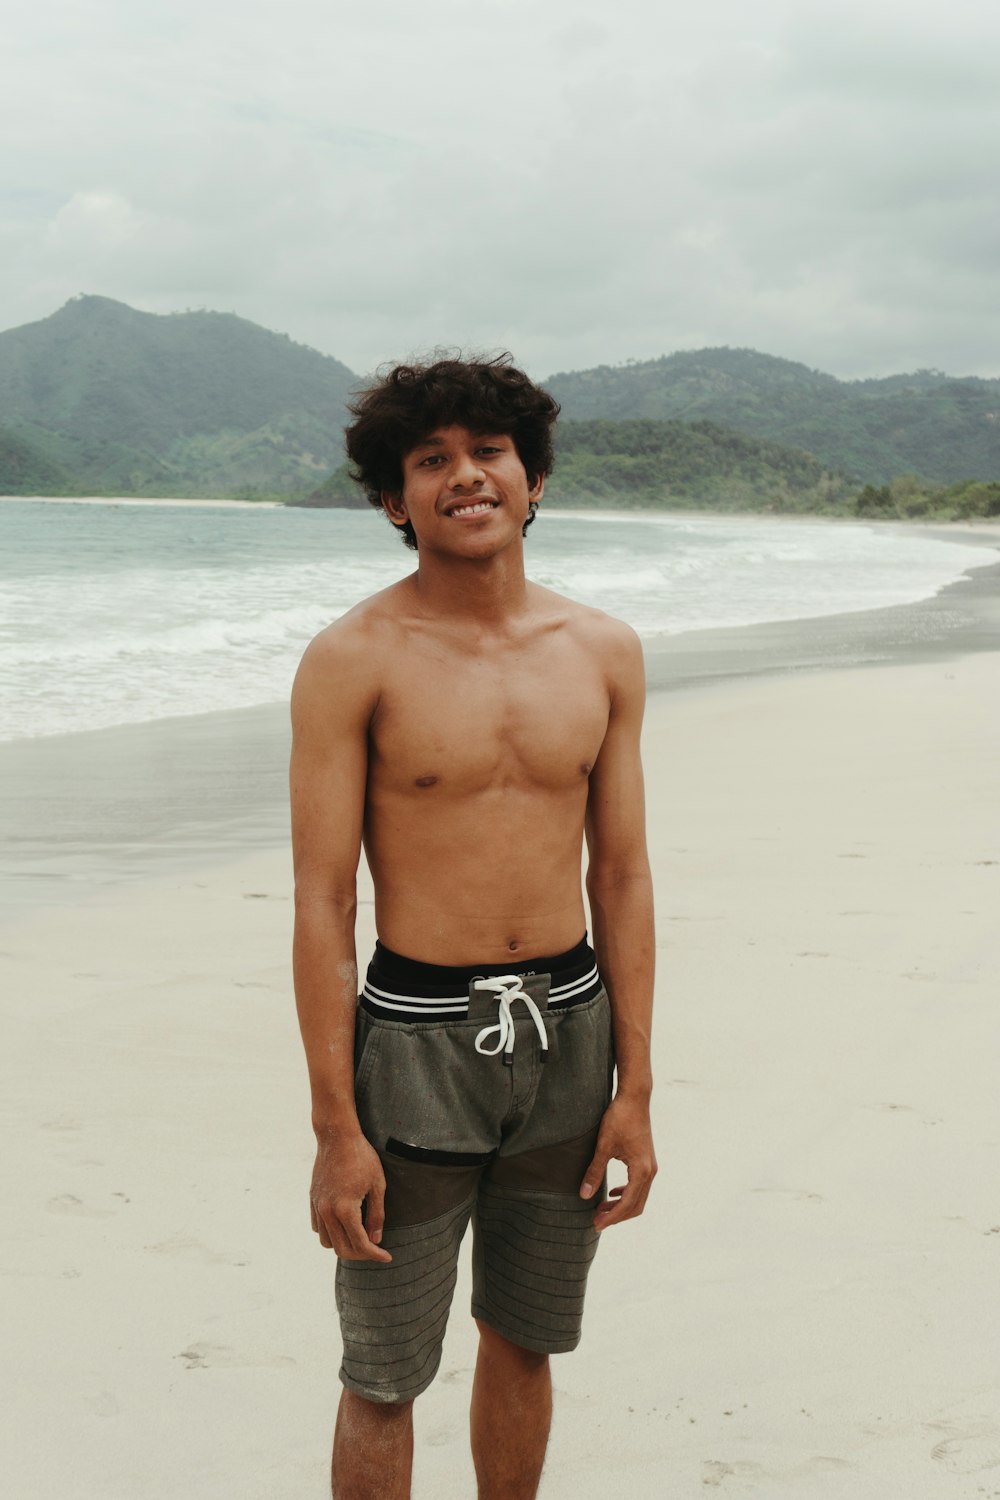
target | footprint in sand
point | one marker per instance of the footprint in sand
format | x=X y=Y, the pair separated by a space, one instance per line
x=971 y=1452
x=69 y=1203
x=184 y=1244
x=819 y=1463
x=104 y=1404
x=715 y=1473
x=220 y=1356
x=799 y=1194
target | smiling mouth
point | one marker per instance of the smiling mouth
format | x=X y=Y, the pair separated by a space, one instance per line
x=477 y=508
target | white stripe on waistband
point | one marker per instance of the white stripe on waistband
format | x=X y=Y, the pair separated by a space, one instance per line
x=574 y=986
x=415 y=1003
x=391 y=1000
x=443 y=1002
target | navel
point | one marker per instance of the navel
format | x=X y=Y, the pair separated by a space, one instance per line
x=426 y=781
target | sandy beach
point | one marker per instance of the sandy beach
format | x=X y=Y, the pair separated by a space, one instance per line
x=808 y=1307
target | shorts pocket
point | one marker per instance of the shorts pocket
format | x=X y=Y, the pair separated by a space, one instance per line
x=366 y=1040
x=583 y=1082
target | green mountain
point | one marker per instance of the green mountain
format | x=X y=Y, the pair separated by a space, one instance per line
x=337 y=491
x=686 y=464
x=196 y=403
x=28 y=465
x=663 y=465
x=927 y=423
x=101 y=399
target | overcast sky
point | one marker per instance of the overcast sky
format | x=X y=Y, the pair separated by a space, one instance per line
x=581 y=182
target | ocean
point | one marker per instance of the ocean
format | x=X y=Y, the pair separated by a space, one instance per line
x=126 y=613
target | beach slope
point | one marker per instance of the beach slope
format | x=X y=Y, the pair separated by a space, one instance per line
x=809 y=1305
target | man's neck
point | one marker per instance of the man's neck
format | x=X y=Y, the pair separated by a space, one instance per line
x=488 y=590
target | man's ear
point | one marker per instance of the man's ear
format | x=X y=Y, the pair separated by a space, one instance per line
x=394 y=506
x=537 y=489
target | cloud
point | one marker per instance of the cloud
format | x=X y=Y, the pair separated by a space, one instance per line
x=579 y=183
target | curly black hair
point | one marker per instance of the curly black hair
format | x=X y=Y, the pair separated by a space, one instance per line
x=404 y=406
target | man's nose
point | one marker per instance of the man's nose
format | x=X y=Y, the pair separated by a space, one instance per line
x=465 y=471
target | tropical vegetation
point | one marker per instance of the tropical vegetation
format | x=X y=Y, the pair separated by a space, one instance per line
x=102 y=399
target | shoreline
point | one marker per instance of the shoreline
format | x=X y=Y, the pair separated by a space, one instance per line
x=962 y=617
x=86 y=812
x=138 y=500
x=983 y=525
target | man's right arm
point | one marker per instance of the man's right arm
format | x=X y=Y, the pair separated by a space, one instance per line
x=332 y=703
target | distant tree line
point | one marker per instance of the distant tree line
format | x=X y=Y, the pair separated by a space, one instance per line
x=909 y=498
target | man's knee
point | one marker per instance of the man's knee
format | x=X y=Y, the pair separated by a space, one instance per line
x=360 y=1412
x=496 y=1346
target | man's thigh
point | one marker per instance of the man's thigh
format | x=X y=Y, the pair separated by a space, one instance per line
x=432 y=1108
x=534 y=1236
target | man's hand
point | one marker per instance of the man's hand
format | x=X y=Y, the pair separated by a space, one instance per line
x=625 y=1134
x=348 y=1174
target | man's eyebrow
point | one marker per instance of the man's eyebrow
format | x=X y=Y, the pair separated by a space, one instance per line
x=433 y=441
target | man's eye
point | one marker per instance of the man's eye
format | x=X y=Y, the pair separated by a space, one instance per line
x=489 y=448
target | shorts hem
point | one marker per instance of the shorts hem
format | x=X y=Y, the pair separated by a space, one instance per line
x=382 y=1397
x=555 y=1345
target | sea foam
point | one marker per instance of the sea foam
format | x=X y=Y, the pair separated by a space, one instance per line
x=115 y=614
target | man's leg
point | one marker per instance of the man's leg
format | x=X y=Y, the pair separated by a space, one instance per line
x=372 y=1449
x=511 y=1416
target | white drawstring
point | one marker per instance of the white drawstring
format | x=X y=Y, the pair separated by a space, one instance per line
x=508 y=987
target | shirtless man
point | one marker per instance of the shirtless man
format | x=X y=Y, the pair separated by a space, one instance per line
x=469 y=727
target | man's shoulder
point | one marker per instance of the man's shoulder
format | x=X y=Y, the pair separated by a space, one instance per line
x=593 y=627
x=345 y=657
x=362 y=629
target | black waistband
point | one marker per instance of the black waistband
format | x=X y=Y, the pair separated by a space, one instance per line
x=396 y=972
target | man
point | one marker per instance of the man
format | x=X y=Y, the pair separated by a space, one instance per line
x=469 y=727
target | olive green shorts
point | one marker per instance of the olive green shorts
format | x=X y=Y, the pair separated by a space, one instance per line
x=464 y=1135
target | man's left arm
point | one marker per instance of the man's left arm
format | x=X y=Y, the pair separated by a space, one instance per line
x=621 y=906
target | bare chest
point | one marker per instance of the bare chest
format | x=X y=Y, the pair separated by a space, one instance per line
x=462 y=722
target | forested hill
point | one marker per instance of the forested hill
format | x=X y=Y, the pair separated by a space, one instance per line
x=679 y=464
x=665 y=465
x=102 y=399
x=188 y=403
x=928 y=423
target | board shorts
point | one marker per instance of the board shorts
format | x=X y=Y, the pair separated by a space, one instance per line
x=482 y=1092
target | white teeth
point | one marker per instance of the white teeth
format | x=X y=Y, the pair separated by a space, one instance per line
x=472 y=510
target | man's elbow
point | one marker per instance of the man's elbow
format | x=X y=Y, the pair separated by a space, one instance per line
x=325 y=900
x=610 y=877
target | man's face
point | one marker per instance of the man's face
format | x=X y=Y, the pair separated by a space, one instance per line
x=464 y=492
